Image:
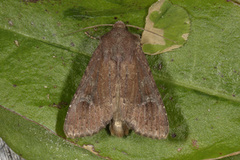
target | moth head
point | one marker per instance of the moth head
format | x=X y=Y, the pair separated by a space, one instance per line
x=119 y=24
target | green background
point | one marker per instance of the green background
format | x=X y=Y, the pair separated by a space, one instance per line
x=173 y=20
x=199 y=82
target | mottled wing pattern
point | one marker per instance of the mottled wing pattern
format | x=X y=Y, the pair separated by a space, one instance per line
x=90 y=109
x=142 y=106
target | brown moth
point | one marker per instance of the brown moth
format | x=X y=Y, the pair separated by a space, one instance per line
x=117 y=88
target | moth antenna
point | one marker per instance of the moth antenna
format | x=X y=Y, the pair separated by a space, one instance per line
x=100 y=25
x=128 y=25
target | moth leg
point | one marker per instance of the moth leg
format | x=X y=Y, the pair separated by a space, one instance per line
x=90 y=36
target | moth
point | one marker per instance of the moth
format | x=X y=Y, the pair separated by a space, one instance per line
x=117 y=88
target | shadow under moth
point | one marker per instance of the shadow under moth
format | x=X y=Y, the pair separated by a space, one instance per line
x=117 y=88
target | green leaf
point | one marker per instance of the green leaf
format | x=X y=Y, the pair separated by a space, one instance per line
x=171 y=21
x=32 y=141
x=40 y=70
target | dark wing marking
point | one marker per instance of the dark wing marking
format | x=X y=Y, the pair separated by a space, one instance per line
x=142 y=107
x=91 y=107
